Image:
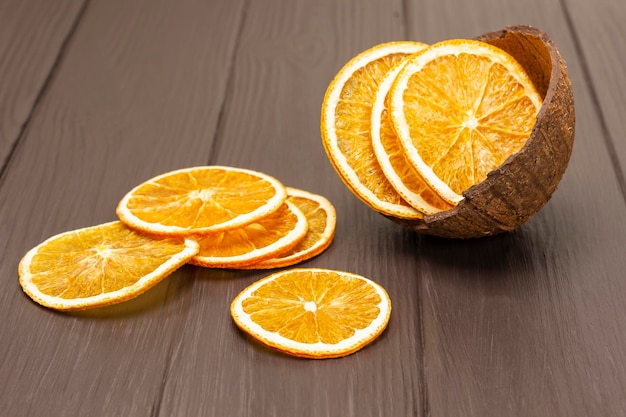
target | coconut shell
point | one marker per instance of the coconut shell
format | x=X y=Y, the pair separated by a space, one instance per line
x=524 y=183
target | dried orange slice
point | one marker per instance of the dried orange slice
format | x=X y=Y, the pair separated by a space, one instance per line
x=314 y=313
x=460 y=109
x=276 y=233
x=322 y=220
x=99 y=265
x=346 y=123
x=201 y=200
x=389 y=152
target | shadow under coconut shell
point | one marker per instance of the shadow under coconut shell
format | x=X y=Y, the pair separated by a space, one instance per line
x=495 y=266
x=493 y=253
x=503 y=264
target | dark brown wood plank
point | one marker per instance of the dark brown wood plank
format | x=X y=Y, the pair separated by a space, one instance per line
x=287 y=54
x=526 y=324
x=600 y=33
x=32 y=33
x=530 y=323
x=138 y=92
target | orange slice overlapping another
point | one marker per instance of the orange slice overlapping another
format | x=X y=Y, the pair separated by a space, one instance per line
x=322 y=219
x=201 y=200
x=275 y=233
x=394 y=163
x=460 y=109
x=346 y=124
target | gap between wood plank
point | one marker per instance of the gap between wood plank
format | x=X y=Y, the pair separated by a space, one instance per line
x=606 y=133
x=424 y=407
x=229 y=84
x=44 y=87
x=156 y=408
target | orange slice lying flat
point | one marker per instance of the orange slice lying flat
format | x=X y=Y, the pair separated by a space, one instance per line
x=322 y=220
x=276 y=233
x=100 y=265
x=314 y=313
x=201 y=200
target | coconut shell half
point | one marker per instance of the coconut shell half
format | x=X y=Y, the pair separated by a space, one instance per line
x=524 y=183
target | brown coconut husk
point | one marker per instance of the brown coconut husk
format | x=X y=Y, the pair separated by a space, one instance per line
x=524 y=183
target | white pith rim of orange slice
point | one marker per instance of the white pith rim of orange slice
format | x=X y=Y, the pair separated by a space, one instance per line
x=127 y=216
x=415 y=64
x=143 y=284
x=328 y=119
x=326 y=237
x=284 y=243
x=320 y=350
x=411 y=197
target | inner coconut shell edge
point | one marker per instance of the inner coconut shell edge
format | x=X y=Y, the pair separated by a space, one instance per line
x=524 y=183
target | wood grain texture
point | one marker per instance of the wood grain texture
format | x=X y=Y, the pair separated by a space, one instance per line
x=516 y=324
x=32 y=34
x=138 y=92
x=526 y=324
x=287 y=53
x=599 y=30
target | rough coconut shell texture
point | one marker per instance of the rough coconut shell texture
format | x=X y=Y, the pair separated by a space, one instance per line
x=524 y=183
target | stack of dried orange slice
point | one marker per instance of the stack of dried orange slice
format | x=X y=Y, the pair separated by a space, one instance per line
x=409 y=127
x=221 y=217
x=212 y=216
x=240 y=218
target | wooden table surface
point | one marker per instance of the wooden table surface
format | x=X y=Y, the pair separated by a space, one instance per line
x=97 y=96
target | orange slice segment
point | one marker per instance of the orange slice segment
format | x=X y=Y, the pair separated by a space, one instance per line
x=460 y=109
x=99 y=265
x=277 y=232
x=322 y=220
x=314 y=313
x=346 y=124
x=392 y=158
x=201 y=200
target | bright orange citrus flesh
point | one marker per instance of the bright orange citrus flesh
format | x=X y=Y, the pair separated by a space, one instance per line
x=201 y=200
x=392 y=158
x=460 y=109
x=99 y=265
x=346 y=123
x=276 y=233
x=322 y=220
x=314 y=313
